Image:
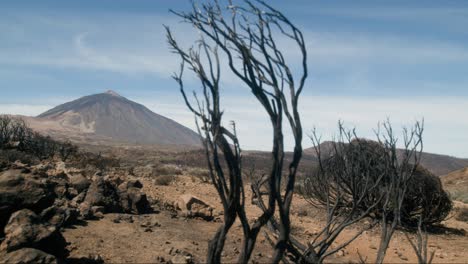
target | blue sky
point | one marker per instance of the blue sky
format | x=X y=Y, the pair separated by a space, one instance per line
x=368 y=60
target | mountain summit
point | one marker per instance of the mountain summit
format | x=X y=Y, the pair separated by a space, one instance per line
x=109 y=115
x=113 y=93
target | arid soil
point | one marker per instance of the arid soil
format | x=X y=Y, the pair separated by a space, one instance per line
x=163 y=236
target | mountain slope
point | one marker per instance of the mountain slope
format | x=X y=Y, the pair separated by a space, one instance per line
x=109 y=115
x=456 y=183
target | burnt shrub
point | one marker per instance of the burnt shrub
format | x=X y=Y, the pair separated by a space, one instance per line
x=66 y=150
x=352 y=167
x=163 y=180
x=16 y=135
x=425 y=198
x=8 y=156
x=93 y=162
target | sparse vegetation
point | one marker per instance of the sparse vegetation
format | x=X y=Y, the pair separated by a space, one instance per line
x=166 y=170
x=249 y=40
x=356 y=168
x=163 y=180
x=203 y=175
x=16 y=136
x=358 y=178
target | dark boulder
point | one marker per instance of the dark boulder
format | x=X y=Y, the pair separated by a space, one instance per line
x=103 y=193
x=25 y=229
x=132 y=199
x=79 y=182
x=28 y=256
x=62 y=216
x=19 y=190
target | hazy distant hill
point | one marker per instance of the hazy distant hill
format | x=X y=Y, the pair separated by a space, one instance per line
x=113 y=117
x=456 y=183
x=436 y=163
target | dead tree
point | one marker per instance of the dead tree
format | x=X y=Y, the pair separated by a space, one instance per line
x=420 y=246
x=5 y=130
x=400 y=171
x=343 y=185
x=358 y=178
x=246 y=36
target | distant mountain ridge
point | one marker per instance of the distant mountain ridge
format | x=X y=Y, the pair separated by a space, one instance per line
x=436 y=163
x=456 y=182
x=111 y=116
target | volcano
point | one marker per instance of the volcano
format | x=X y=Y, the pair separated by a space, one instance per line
x=111 y=116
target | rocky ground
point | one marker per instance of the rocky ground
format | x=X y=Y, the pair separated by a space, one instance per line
x=175 y=235
x=52 y=213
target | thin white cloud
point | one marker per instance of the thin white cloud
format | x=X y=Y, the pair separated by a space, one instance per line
x=23 y=109
x=348 y=48
x=431 y=15
x=444 y=132
x=445 y=127
x=139 y=47
x=121 y=43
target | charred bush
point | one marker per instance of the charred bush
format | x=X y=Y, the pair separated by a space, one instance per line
x=16 y=135
x=94 y=161
x=349 y=169
x=8 y=156
x=425 y=199
x=66 y=150
x=164 y=180
x=43 y=147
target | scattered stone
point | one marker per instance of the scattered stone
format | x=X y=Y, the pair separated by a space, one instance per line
x=192 y=206
x=97 y=209
x=85 y=210
x=160 y=259
x=169 y=250
x=60 y=167
x=340 y=253
x=151 y=222
x=60 y=216
x=441 y=255
x=131 y=184
x=26 y=229
x=103 y=193
x=79 y=182
x=72 y=193
x=86 y=259
x=75 y=202
x=132 y=199
x=123 y=218
x=19 y=191
x=28 y=256
x=182 y=258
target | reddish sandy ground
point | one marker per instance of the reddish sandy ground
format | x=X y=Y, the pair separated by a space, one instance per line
x=151 y=237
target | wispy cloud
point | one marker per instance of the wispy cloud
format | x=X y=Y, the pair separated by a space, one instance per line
x=23 y=109
x=140 y=46
x=128 y=44
x=444 y=132
x=445 y=127
x=424 y=15
x=360 y=58
x=381 y=48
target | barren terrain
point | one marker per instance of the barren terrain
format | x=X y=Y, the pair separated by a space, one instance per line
x=133 y=242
